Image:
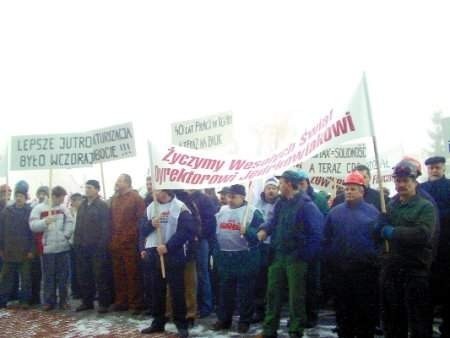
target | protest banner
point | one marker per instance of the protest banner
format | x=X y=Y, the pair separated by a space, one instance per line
x=329 y=167
x=75 y=150
x=213 y=131
x=181 y=168
x=3 y=159
x=113 y=143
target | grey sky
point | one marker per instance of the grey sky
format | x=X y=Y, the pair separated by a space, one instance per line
x=74 y=66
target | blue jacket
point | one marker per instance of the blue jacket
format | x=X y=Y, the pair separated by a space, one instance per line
x=207 y=210
x=16 y=238
x=296 y=227
x=440 y=191
x=348 y=234
x=371 y=196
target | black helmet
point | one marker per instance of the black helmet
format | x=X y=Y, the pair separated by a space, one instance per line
x=405 y=168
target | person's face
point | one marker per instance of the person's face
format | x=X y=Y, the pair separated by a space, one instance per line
x=353 y=192
x=366 y=176
x=149 y=186
x=303 y=185
x=224 y=199
x=163 y=197
x=90 y=191
x=405 y=186
x=236 y=200
x=41 y=197
x=436 y=171
x=121 y=184
x=271 y=192
x=76 y=203
x=20 y=199
x=58 y=200
x=6 y=194
x=285 y=187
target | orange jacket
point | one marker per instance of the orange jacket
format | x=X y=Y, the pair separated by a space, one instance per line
x=126 y=211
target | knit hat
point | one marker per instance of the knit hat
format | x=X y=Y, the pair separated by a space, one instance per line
x=94 y=183
x=21 y=188
x=271 y=181
x=42 y=190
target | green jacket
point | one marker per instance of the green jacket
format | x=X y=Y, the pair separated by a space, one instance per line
x=411 y=243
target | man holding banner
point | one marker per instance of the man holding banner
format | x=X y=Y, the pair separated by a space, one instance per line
x=237 y=257
x=56 y=224
x=176 y=224
x=405 y=271
x=296 y=230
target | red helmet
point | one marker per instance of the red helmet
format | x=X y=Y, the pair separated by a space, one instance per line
x=355 y=177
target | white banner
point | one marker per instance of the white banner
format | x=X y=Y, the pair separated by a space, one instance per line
x=3 y=158
x=180 y=168
x=72 y=150
x=331 y=165
x=213 y=131
x=113 y=143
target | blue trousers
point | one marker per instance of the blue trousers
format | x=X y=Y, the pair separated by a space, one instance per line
x=56 y=274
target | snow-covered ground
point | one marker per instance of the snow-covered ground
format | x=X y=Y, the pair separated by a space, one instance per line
x=68 y=324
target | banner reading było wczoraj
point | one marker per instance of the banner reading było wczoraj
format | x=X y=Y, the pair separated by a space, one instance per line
x=72 y=150
x=180 y=168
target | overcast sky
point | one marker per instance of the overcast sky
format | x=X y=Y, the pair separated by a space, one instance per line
x=79 y=65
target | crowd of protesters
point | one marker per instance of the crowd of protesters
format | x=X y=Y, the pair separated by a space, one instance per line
x=180 y=255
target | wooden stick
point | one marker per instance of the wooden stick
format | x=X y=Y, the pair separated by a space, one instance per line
x=50 y=187
x=247 y=210
x=158 y=233
x=103 y=180
x=155 y=203
x=377 y=158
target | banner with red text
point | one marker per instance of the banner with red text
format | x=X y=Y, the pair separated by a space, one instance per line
x=180 y=168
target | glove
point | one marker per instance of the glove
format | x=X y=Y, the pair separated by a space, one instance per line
x=387 y=232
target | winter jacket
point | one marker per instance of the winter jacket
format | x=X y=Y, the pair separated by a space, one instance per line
x=16 y=238
x=265 y=207
x=348 y=234
x=411 y=243
x=440 y=192
x=184 y=231
x=296 y=227
x=319 y=200
x=56 y=236
x=93 y=228
x=207 y=210
x=371 y=196
x=126 y=212
x=238 y=255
